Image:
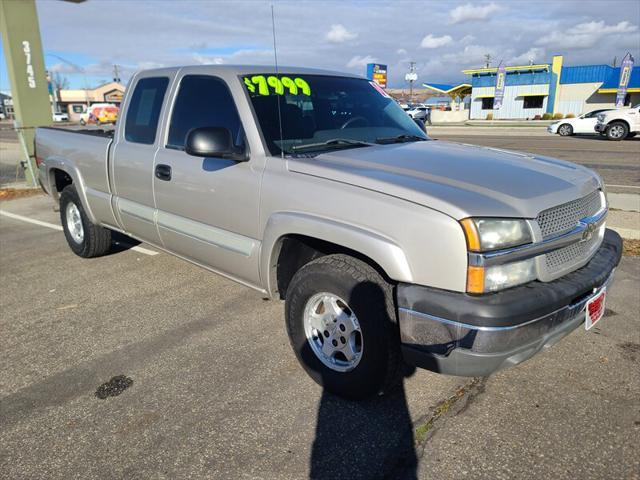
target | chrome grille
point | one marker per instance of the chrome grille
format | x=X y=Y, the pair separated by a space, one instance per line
x=563 y=218
x=559 y=259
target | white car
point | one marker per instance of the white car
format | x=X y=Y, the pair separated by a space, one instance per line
x=620 y=123
x=60 y=117
x=584 y=124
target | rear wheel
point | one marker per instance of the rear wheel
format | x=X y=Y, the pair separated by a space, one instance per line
x=565 y=130
x=341 y=323
x=617 y=131
x=84 y=238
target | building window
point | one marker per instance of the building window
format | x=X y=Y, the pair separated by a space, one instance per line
x=487 y=103
x=534 y=101
x=78 y=108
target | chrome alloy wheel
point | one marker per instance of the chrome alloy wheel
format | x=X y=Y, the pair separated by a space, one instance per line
x=616 y=131
x=74 y=222
x=333 y=332
x=565 y=130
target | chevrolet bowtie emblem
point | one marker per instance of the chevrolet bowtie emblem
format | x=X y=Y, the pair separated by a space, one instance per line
x=590 y=228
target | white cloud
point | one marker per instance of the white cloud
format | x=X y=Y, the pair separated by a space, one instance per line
x=339 y=34
x=469 y=56
x=532 y=55
x=469 y=12
x=207 y=60
x=435 y=42
x=467 y=39
x=359 y=61
x=401 y=51
x=585 y=35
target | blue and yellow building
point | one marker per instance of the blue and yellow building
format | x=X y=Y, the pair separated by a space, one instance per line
x=533 y=90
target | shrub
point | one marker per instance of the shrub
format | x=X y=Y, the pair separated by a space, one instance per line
x=537 y=117
x=558 y=116
x=489 y=116
x=570 y=115
x=547 y=116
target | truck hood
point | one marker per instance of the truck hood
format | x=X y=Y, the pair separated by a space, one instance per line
x=457 y=179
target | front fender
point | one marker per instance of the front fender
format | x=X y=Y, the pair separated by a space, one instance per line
x=382 y=250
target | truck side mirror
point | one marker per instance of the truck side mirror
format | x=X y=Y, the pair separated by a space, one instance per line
x=213 y=142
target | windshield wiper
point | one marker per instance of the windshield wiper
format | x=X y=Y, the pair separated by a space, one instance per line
x=401 y=138
x=331 y=144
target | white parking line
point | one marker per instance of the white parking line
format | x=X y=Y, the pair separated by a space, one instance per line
x=53 y=226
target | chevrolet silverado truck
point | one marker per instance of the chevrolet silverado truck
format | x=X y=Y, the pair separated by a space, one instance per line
x=388 y=248
x=620 y=123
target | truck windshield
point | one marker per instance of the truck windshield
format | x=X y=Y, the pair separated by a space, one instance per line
x=321 y=112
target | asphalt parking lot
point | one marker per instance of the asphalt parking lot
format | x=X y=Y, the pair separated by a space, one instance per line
x=217 y=392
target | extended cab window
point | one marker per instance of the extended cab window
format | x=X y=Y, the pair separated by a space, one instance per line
x=203 y=101
x=144 y=110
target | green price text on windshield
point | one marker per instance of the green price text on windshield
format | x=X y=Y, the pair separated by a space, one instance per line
x=274 y=85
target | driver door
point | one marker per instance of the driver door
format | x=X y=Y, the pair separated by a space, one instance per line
x=207 y=207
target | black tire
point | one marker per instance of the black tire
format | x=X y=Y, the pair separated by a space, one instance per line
x=565 y=130
x=96 y=240
x=370 y=298
x=617 y=131
x=82 y=122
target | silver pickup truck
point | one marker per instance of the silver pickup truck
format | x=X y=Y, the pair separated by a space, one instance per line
x=389 y=248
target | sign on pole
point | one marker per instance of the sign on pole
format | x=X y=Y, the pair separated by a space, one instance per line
x=625 y=74
x=377 y=73
x=500 y=83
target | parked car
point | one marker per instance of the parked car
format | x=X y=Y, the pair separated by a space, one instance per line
x=386 y=247
x=60 y=117
x=584 y=124
x=100 y=113
x=419 y=112
x=620 y=123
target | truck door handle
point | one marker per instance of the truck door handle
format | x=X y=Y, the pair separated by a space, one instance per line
x=163 y=172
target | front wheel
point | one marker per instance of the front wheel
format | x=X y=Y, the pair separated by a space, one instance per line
x=617 y=131
x=342 y=326
x=84 y=238
x=565 y=130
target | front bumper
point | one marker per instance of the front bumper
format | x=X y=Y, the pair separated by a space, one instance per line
x=600 y=127
x=553 y=128
x=460 y=334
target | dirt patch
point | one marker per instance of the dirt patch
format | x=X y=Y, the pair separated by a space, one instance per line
x=631 y=248
x=13 y=193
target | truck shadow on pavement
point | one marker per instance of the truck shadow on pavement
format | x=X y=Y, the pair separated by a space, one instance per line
x=365 y=439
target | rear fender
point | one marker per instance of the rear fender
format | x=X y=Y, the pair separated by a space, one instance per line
x=61 y=163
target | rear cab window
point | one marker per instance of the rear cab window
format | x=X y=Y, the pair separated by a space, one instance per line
x=144 y=110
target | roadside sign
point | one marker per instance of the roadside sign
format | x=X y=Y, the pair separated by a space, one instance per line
x=377 y=73
x=625 y=74
x=500 y=83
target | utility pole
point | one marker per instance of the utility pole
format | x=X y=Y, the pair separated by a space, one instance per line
x=615 y=60
x=411 y=77
x=116 y=74
x=487 y=60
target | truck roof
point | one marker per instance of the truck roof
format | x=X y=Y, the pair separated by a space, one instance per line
x=249 y=69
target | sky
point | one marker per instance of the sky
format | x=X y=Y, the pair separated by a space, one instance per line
x=83 y=41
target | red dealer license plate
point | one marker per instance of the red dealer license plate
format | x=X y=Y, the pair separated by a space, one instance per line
x=595 y=309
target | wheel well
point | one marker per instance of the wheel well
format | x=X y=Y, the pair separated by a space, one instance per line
x=626 y=124
x=298 y=250
x=61 y=178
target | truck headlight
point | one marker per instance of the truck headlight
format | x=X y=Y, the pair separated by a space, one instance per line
x=484 y=234
x=499 y=277
x=487 y=234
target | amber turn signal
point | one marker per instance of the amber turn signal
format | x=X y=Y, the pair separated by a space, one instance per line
x=475 y=280
x=471 y=234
